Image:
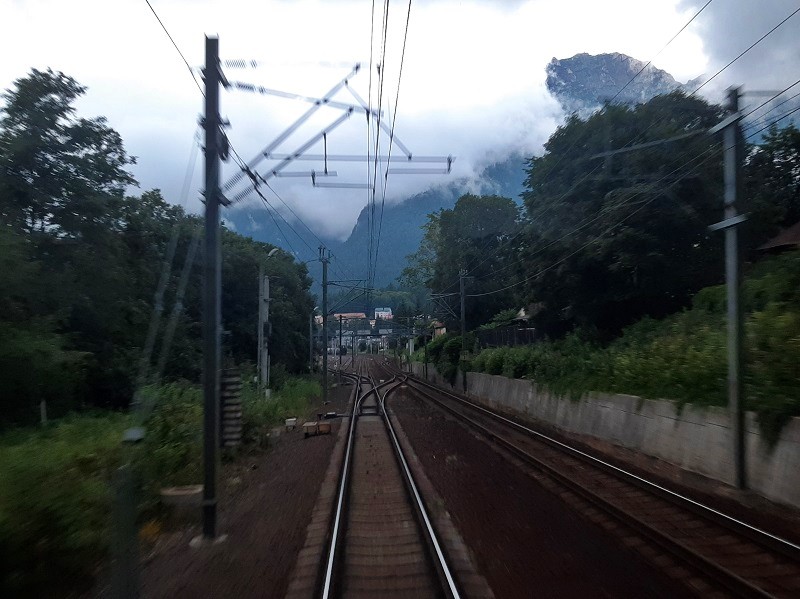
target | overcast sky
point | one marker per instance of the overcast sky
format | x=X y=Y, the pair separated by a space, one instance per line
x=472 y=84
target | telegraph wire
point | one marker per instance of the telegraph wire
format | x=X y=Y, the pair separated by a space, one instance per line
x=753 y=45
x=391 y=133
x=707 y=81
x=649 y=62
x=186 y=62
x=774 y=122
x=381 y=79
x=640 y=136
x=711 y=151
x=757 y=123
x=672 y=39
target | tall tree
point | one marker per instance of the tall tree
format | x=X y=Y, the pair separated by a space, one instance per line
x=614 y=238
x=476 y=236
x=772 y=185
x=58 y=169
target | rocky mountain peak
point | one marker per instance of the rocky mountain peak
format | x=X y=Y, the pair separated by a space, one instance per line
x=584 y=82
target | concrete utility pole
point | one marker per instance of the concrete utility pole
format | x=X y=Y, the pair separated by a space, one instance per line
x=264 y=329
x=339 y=373
x=324 y=257
x=733 y=154
x=732 y=139
x=264 y=362
x=260 y=359
x=212 y=290
x=311 y=343
x=462 y=275
x=425 y=347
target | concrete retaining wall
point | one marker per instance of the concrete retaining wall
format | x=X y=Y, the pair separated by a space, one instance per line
x=697 y=439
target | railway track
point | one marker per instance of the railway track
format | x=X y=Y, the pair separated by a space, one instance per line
x=382 y=541
x=720 y=555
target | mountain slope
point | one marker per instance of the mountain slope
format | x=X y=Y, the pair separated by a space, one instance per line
x=400 y=230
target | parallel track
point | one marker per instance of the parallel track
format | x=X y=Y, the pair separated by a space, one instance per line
x=735 y=557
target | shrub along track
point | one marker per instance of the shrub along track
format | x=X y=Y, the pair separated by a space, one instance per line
x=707 y=549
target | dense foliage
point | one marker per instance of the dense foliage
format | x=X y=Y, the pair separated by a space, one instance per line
x=683 y=356
x=606 y=240
x=606 y=234
x=55 y=497
x=476 y=236
x=611 y=252
x=81 y=262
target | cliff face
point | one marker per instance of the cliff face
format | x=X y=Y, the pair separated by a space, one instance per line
x=584 y=82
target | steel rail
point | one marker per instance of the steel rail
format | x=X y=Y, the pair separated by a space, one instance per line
x=343 y=479
x=420 y=505
x=327 y=585
x=756 y=534
x=720 y=574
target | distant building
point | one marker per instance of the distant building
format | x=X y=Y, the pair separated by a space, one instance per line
x=438 y=328
x=348 y=317
x=383 y=313
x=788 y=239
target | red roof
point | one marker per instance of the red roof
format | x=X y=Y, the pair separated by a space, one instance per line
x=787 y=238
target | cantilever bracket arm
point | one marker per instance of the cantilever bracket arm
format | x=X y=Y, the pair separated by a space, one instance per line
x=284 y=163
x=294 y=126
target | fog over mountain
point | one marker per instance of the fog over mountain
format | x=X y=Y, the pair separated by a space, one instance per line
x=581 y=84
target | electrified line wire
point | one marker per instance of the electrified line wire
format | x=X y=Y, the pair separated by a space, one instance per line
x=186 y=62
x=753 y=45
x=381 y=79
x=391 y=132
x=649 y=62
x=644 y=205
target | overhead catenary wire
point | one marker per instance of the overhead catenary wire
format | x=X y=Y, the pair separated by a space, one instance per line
x=391 y=134
x=750 y=47
x=731 y=62
x=186 y=62
x=369 y=135
x=654 y=186
x=340 y=268
x=256 y=180
x=575 y=142
x=649 y=62
x=381 y=78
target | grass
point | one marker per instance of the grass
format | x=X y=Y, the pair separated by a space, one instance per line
x=55 y=492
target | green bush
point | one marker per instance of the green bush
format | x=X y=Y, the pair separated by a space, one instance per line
x=681 y=358
x=773 y=341
x=55 y=503
x=259 y=414
x=173 y=446
x=55 y=483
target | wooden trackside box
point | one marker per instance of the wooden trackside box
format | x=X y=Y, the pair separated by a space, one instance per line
x=316 y=428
